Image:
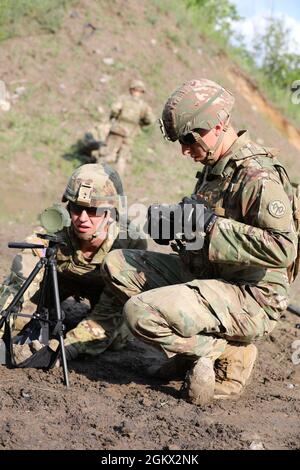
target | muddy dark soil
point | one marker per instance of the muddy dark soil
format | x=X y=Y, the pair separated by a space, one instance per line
x=112 y=405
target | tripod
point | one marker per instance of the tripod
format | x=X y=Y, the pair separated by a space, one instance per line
x=48 y=312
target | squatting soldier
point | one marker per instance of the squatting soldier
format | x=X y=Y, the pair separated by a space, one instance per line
x=205 y=307
x=128 y=114
x=92 y=196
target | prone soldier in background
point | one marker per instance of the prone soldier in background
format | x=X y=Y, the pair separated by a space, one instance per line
x=92 y=196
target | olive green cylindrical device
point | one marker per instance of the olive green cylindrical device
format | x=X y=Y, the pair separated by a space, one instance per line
x=55 y=218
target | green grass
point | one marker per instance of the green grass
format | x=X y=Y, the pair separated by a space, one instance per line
x=161 y=174
x=173 y=37
x=39 y=135
x=21 y=17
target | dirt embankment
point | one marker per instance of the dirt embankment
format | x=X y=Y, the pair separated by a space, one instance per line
x=111 y=404
x=256 y=98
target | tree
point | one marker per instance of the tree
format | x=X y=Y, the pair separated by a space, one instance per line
x=218 y=15
x=271 y=49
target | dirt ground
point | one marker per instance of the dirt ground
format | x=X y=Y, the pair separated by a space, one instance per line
x=111 y=404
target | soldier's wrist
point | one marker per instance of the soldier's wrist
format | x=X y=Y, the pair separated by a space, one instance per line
x=209 y=224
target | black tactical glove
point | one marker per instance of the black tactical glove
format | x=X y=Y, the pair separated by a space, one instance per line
x=161 y=222
x=167 y=222
x=200 y=220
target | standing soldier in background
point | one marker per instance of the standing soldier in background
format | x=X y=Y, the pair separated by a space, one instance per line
x=128 y=114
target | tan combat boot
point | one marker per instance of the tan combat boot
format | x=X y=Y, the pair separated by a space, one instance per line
x=233 y=369
x=199 y=384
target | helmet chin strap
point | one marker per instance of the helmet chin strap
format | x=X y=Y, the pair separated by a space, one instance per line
x=210 y=152
x=99 y=232
x=102 y=225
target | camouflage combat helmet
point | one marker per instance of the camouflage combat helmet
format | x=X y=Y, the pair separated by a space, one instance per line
x=196 y=104
x=94 y=185
x=137 y=85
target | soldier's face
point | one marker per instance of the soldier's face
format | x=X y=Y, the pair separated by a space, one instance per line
x=194 y=150
x=86 y=221
x=136 y=92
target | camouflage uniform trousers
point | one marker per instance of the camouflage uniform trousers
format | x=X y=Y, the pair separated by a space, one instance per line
x=170 y=309
x=117 y=151
x=104 y=327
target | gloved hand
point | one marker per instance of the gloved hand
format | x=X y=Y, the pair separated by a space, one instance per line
x=203 y=219
x=161 y=222
x=191 y=215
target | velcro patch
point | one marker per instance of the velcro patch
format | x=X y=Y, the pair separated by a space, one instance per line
x=277 y=208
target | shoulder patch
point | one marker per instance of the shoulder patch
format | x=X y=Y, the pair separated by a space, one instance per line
x=277 y=208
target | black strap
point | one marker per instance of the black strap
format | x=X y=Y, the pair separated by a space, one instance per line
x=45 y=358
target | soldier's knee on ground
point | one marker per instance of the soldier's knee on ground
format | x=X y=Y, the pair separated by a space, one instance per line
x=89 y=337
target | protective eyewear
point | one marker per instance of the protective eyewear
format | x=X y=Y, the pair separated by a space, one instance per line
x=187 y=139
x=91 y=211
x=193 y=137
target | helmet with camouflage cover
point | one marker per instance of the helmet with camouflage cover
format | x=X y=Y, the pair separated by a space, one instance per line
x=94 y=185
x=196 y=104
x=137 y=85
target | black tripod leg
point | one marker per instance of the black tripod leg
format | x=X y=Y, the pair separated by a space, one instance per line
x=43 y=305
x=59 y=320
x=9 y=310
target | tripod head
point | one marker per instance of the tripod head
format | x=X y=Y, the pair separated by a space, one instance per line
x=49 y=252
x=54 y=241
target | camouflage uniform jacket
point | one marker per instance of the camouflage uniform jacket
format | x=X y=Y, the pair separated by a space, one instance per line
x=76 y=274
x=254 y=241
x=74 y=266
x=128 y=113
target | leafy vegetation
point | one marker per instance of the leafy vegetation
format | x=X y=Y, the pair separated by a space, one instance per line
x=271 y=64
x=280 y=66
x=215 y=17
